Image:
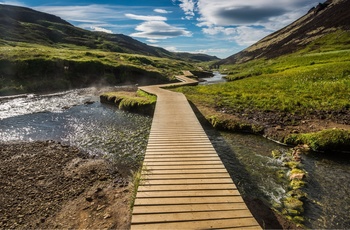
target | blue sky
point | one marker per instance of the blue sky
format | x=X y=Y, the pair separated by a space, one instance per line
x=214 y=27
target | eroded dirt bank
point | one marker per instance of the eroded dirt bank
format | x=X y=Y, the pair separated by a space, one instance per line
x=47 y=185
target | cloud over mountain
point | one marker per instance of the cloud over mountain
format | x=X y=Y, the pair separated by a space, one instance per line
x=243 y=21
x=154 y=30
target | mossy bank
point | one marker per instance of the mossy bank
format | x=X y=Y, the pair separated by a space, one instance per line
x=138 y=102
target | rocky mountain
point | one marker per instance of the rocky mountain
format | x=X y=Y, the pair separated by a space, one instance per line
x=22 y=24
x=321 y=20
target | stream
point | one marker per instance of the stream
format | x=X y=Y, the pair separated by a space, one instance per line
x=77 y=118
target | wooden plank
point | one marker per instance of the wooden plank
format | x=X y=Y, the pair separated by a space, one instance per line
x=188 y=200
x=193 y=216
x=183 y=171
x=187 y=208
x=187 y=181
x=179 y=155
x=177 y=151
x=147 y=167
x=202 y=162
x=246 y=223
x=196 y=193
x=182 y=159
x=186 y=176
x=179 y=145
x=145 y=187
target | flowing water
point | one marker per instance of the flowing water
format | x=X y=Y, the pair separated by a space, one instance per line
x=77 y=118
x=250 y=164
x=217 y=78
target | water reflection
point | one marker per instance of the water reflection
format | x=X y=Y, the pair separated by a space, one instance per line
x=217 y=78
x=93 y=127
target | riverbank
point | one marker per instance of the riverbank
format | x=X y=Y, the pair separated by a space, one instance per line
x=46 y=185
x=283 y=127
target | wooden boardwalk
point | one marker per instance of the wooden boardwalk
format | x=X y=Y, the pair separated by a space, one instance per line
x=184 y=183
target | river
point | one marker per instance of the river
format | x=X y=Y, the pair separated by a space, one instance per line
x=216 y=78
x=77 y=118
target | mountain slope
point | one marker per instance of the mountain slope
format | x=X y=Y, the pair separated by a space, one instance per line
x=22 y=24
x=331 y=16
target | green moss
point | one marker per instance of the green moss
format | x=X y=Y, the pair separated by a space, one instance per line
x=137 y=181
x=280 y=174
x=139 y=102
x=297 y=184
x=297 y=193
x=298 y=219
x=293 y=203
x=330 y=139
x=222 y=123
x=276 y=154
x=297 y=171
x=292 y=164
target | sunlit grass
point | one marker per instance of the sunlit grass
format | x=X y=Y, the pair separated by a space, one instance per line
x=24 y=51
x=295 y=84
x=28 y=67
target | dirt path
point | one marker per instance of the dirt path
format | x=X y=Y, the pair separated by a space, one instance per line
x=48 y=185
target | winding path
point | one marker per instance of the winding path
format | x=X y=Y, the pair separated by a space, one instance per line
x=184 y=183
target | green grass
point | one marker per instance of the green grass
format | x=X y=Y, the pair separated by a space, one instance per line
x=315 y=80
x=294 y=84
x=326 y=140
x=28 y=67
x=16 y=51
x=140 y=101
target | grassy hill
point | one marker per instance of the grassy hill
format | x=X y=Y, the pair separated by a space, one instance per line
x=20 y=24
x=42 y=53
x=295 y=97
x=325 y=18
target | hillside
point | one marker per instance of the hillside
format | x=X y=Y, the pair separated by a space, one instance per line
x=325 y=18
x=41 y=53
x=293 y=86
x=22 y=24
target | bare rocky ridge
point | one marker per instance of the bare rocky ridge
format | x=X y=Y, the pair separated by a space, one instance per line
x=319 y=21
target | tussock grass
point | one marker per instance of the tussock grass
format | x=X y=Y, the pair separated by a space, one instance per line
x=326 y=140
x=139 y=101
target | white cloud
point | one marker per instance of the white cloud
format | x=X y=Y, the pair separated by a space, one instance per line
x=242 y=35
x=93 y=12
x=243 y=21
x=212 y=51
x=152 y=41
x=162 y=11
x=171 y=49
x=14 y=3
x=159 y=30
x=188 y=6
x=146 y=18
x=247 y=12
x=100 y=29
x=246 y=36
